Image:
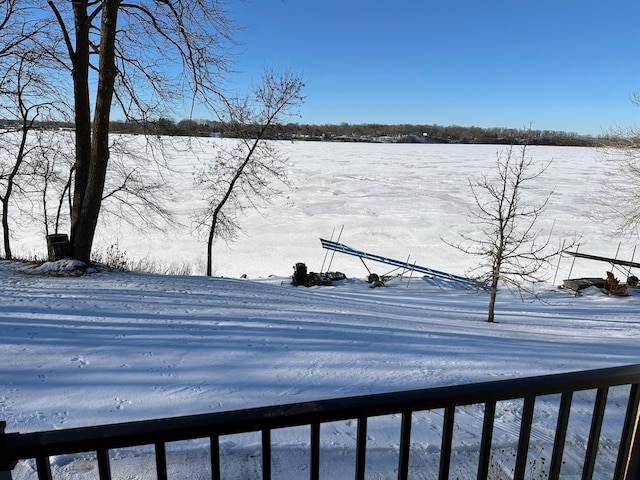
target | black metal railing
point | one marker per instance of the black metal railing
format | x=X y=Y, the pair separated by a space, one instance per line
x=41 y=446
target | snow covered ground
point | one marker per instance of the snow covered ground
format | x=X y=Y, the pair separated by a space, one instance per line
x=395 y=200
x=114 y=346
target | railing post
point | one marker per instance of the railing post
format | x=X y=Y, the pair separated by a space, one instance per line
x=629 y=431
x=633 y=462
x=6 y=465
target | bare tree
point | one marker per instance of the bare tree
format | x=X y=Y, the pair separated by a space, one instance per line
x=511 y=249
x=144 y=57
x=26 y=96
x=619 y=195
x=244 y=173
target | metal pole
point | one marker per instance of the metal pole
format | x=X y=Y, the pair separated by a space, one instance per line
x=633 y=256
x=410 y=274
x=334 y=252
x=559 y=258
x=327 y=252
x=573 y=261
x=613 y=265
x=365 y=265
x=404 y=269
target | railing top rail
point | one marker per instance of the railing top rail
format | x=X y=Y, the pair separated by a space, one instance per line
x=15 y=446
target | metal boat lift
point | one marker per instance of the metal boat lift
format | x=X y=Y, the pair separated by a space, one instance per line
x=341 y=248
x=612 y=261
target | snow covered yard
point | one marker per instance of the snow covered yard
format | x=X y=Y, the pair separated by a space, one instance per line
x=114 y=346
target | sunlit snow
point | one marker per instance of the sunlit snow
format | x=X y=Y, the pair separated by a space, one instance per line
x=112 y=346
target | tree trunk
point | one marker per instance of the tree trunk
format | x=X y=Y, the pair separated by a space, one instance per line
x=495 y=279
x=92 y=177
x=492 y=303
x=214 y=217
x=80 y=62
x=5 y=229
x=212 y=232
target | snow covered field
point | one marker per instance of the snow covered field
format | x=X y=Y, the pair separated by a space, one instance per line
x=395 y=200
x=113 y=346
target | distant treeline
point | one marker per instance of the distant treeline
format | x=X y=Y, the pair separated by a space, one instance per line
x=370 y=132
x=345 y=132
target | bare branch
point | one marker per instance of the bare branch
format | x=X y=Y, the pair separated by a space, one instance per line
x=507 y=242
x=245 y=174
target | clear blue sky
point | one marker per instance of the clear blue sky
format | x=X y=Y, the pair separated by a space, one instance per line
x=559 y=65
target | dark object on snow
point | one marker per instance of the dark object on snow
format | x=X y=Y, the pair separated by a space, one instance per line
x=311 y=279
x=375 y=280
x=578 y=284
x=300 y=274
x=610 y=284
x=314 y=279
x=58 y=247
